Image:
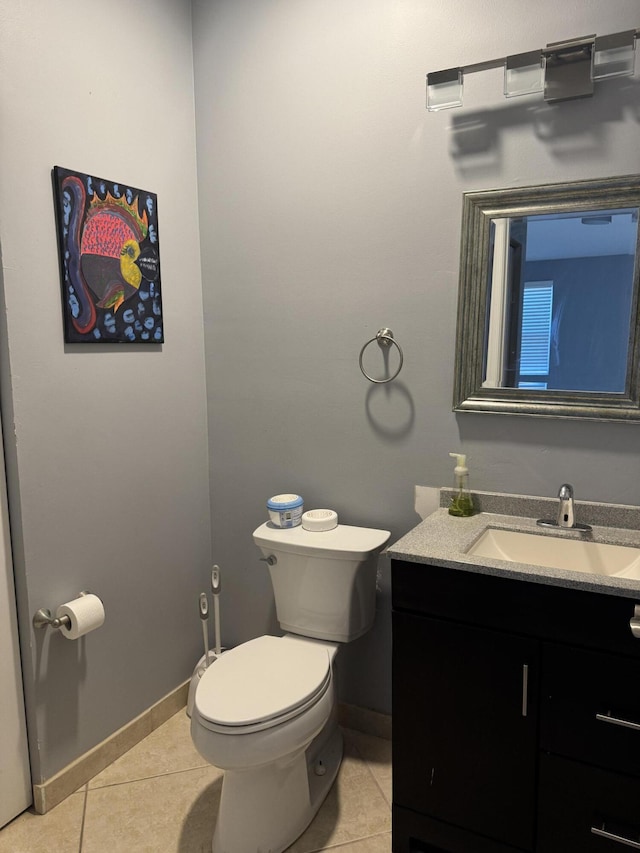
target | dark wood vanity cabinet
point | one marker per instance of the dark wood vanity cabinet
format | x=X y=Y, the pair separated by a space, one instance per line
x=516 y=716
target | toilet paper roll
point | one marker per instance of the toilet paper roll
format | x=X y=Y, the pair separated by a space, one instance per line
x=85 y=614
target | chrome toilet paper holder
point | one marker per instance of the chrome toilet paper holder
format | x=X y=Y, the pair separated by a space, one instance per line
x=44 y=618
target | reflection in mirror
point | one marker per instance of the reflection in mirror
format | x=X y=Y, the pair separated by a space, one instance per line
x=561 y=291
x=547 y=317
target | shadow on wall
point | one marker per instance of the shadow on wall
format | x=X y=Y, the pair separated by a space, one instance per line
x=389 y=405
x=569 y=130
x=390 y=410
x=62 y=663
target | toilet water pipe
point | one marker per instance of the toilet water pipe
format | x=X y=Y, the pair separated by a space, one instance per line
x=216 y=586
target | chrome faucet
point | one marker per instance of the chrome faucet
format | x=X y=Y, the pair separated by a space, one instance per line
x=566 y=509
x=566 y=518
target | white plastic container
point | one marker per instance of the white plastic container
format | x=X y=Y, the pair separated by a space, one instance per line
x=285 y=510
x=320 y=520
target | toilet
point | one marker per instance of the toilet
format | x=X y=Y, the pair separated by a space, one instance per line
x=266 y=711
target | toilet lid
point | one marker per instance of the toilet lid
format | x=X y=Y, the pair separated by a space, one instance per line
x=262 y=679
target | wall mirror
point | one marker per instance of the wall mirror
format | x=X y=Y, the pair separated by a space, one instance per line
x=548 y=301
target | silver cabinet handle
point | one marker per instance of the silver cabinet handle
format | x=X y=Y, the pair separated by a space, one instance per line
x=628 y=842
x=607 y=718
x=525 y=688
x=634 y=623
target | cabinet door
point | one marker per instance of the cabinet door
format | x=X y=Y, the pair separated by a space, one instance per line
x=464 y=726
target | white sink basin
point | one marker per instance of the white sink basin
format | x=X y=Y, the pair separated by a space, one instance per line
x=576 y=555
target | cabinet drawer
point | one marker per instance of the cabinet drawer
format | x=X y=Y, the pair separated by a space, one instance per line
x=586 y=810
x=591 y=707
x=573 y=616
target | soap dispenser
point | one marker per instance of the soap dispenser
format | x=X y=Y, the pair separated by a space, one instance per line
x=461 y=502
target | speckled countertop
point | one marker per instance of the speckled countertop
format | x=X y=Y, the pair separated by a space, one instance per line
x=443 y=540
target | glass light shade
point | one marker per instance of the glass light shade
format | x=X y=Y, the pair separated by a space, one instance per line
x=614 y=55
x=524 y=74
x=444 y=89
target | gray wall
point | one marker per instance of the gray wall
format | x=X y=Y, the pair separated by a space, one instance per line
x=107 y=447
x=329 y=207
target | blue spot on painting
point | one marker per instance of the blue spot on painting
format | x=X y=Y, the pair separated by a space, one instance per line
x=74 y=305
x=129 y=195
x=96 y=334
x=149 y=323
x=116 y=191
x=156 y=308
x=150 y=205
x=110 y=323
x=152 y=234
x=141 y=310
x=158 y=334
x=128 y=316
x=144 y=336
x=89 y=186
x=143 y=294
x=137 y=326
x=66 y=206
x=129 y=333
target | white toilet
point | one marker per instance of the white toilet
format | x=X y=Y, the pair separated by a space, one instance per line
x=265 y=712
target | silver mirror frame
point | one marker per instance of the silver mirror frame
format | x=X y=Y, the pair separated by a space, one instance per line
x=479 y=208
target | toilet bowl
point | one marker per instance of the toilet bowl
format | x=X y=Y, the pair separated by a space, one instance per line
x=266 y=711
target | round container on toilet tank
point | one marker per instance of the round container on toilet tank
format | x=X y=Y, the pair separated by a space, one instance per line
x=285 y=510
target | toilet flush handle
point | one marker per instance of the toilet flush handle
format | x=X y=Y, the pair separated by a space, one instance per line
x=270 y=560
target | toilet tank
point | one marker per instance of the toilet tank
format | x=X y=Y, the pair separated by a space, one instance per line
x=324 y=582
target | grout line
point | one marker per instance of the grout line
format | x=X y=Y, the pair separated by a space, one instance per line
x=147 y=778
x=352 y=841
x=84 y=815
x=371 y=773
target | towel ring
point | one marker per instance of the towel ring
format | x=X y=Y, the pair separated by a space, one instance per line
x=384 y=338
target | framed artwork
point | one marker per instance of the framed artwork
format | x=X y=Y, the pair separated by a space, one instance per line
x=109 y=260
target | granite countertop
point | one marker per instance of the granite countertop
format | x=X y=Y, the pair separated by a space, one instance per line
x=443 y=540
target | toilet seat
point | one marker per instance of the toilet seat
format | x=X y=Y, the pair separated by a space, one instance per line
x=262 y=683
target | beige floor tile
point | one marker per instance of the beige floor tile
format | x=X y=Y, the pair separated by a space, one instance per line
x=174 y=813
x=354 y=809
x=57 y=830
x=376 y=752
x=373 y=844
x=166 y=750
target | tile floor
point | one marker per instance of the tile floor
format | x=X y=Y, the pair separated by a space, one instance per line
x=161 y=797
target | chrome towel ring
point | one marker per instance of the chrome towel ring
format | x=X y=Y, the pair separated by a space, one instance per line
x=385 y=338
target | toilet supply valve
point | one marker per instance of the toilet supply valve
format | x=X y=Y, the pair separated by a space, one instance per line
x=271 y=560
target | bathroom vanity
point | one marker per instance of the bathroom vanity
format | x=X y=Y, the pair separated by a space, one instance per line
x=516 y=694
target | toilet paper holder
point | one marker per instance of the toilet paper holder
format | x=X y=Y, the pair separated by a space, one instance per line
x=44 y=618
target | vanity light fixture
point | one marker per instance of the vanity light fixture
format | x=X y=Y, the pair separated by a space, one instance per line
x=561 y=70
